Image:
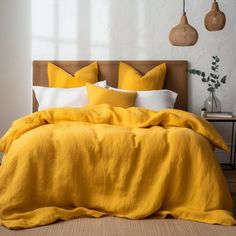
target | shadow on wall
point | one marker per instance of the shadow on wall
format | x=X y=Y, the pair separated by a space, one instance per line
x=91 y=29
x=84 y=28
x=123 y=29
x=133 y=29
x=63 y=31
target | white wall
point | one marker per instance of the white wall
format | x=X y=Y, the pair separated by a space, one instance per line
x=108 y=29
x=15 y=61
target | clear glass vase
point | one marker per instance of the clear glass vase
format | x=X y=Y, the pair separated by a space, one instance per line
x=212 y=103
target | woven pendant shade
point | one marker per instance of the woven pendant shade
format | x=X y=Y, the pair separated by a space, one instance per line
x=215 y=19
x=183 y=34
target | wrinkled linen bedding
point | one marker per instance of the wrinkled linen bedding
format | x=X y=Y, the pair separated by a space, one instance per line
x=100 y=160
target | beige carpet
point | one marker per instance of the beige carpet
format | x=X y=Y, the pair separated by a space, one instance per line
x=109 y=226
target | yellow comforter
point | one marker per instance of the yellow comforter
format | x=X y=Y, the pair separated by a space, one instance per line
x=102 y=160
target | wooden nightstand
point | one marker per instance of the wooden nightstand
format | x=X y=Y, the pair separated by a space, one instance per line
x=233 y=139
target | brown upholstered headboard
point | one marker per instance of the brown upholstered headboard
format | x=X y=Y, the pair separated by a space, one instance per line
x=176 y=77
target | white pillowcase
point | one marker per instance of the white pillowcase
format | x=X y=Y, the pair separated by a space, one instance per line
x=62 y=97
x=153 y=99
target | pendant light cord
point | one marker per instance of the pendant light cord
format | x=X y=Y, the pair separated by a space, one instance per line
x=184 y=12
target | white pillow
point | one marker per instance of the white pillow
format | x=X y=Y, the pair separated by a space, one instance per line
x=62 y=97
x=153 y=99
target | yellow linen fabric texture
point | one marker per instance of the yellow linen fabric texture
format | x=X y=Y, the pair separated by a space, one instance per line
x=58 y=78
x=101 y=160
x=131 y=79
x=98 y=95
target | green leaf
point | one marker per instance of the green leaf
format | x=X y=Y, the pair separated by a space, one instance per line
x=217 y=59
x=213 y=81
x=208 y=78
x=213 y=75
x=210 y=89
x=213 y=68
x=198 y=72
x=223 y=80
x=204 y=80
x=203 y=74
x=192 y=71
x=213 y=63
x=217 y=85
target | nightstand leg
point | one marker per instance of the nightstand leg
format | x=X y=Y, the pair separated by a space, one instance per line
x=234 y=146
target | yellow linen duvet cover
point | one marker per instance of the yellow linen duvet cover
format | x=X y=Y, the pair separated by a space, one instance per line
x=101 y=160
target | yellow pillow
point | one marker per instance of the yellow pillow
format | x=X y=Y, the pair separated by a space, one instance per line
x=131 y=79
x=58 y=78
x=98 y=95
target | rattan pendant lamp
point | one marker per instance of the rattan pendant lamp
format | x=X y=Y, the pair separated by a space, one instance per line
x=215 y=19
x=183 y=34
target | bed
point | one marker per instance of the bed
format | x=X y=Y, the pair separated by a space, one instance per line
x=99 y=160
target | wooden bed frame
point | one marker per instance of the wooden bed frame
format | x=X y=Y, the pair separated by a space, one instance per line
x=176 y=77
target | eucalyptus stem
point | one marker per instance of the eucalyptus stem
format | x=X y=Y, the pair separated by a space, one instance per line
x=213 y=79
